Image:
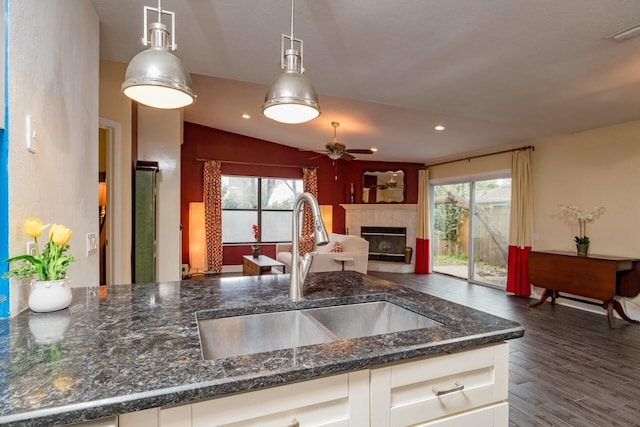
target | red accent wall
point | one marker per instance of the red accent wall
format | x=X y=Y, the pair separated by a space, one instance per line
x=334 y=178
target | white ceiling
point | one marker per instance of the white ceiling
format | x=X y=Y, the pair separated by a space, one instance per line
x=496 y=73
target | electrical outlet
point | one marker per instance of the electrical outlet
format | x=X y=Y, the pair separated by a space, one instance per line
x=31 y=248
x=92 y=243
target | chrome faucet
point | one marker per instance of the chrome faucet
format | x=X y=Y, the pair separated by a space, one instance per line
x=300 y=267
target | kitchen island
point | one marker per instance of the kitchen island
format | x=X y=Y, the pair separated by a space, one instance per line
x=122 y=349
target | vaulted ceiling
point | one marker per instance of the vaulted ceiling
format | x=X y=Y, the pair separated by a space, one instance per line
x=496 y=73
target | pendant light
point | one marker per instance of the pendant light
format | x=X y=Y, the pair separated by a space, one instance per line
x=155 y=77
x=291 y=98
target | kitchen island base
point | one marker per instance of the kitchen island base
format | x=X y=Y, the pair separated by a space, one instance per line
x=455 y=390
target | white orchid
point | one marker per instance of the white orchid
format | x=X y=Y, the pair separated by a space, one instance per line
x=582 y=219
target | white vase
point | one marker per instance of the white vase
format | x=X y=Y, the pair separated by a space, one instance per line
x=49 y=295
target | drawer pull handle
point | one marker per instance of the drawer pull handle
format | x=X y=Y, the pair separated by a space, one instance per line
x=458 y=386
x=294 y=423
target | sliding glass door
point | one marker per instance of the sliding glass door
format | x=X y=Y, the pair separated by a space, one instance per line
x=471 y=230
x=450 y=229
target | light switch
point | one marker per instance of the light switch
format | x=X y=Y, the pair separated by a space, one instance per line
x=31 y=134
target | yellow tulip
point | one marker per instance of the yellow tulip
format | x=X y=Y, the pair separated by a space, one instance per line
x=59 y=234
x=33 y=227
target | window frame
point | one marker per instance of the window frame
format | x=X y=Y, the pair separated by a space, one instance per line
x=259 y=210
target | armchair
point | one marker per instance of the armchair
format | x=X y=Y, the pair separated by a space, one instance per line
x=352 y=247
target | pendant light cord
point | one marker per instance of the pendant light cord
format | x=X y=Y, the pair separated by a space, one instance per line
x=292 y=8
x=160 y=11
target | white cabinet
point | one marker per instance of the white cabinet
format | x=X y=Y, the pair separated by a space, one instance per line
x=335 y=401
x=467 y=388
x=436 y=388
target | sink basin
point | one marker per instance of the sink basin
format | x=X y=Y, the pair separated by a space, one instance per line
x=257 y=333
x=368 y=319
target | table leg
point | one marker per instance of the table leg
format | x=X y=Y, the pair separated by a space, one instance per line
x=545 y=295
x=618 y=308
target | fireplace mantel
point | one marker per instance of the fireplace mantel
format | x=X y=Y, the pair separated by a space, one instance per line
x=379 y=206
x=384 y=215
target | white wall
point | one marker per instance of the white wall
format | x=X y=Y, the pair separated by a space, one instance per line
x=53 y=59
x=159 y=139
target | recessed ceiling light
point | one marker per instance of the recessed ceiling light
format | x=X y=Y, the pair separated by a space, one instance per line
x=439 y=127
x=246 y=116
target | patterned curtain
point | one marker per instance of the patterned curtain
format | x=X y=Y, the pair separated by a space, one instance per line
x=422 y=231
x=309 y=185
x=212 y=189
x=521 y=224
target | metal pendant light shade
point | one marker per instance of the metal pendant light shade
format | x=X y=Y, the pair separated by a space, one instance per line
x=291 y=98
x=155 y=77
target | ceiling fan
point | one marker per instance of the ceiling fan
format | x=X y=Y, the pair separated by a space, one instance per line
x=337 y=150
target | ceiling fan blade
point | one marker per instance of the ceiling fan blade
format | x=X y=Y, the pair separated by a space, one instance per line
x=360 y=151
x=347 y=156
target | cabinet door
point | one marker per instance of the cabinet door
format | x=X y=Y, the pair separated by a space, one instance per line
x=336 y=401
x=436 y=387
x=144 y=227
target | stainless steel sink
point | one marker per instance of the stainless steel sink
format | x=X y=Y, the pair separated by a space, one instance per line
x=368 y=319
x=257 y=333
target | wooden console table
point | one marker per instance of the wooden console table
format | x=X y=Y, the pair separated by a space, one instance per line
x=599 y=277
x=257 y=266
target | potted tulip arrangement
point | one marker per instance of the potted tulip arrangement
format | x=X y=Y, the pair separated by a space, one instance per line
x=50 y=291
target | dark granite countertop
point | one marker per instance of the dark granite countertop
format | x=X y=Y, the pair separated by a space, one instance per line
x=124 y=348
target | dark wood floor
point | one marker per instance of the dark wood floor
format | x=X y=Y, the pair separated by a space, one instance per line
x=569 y=369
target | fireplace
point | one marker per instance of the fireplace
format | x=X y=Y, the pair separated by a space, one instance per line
x=385 y=243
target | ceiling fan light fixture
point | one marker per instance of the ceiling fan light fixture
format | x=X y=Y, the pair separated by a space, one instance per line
x=334 y=156
x=291 y=98
x=155 y=77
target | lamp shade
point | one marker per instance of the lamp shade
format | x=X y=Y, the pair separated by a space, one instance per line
x=157 y=78
x=291 y=99
x=197 y=249
x=326 y=213
x=102 y=194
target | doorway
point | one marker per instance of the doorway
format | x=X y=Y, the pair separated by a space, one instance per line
x=471 y=230
x=108 y=199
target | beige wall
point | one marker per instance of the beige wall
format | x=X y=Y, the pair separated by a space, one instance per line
x=54 y=79
x=116 y=107
x=588 y=169
x=480 y=168
x=159 y=137
x=595 y=168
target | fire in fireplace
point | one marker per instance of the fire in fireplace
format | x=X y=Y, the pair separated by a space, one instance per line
x=385 y=243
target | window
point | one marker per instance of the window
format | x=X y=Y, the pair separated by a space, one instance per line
x=267 y=202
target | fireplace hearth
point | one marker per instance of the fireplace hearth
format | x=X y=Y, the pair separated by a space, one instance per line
x=385 y=243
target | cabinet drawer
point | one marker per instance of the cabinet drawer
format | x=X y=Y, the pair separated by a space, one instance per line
x=407 y=394
x=495 y=415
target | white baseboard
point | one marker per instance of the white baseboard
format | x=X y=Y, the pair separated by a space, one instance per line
x=232 y=268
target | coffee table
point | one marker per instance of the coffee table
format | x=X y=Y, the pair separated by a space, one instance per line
x=257 y=266
x=343 y=259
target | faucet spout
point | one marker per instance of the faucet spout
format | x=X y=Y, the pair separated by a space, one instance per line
x=300 y=267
